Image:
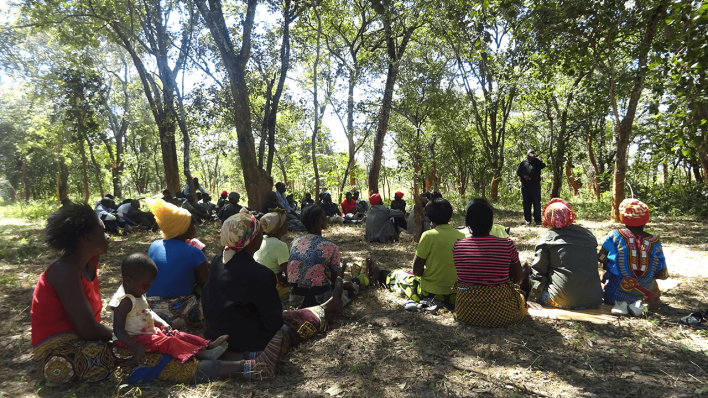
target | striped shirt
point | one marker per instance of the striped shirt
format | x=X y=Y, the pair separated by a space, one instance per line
x=484 y=260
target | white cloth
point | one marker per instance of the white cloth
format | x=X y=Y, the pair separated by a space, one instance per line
x=140 y=319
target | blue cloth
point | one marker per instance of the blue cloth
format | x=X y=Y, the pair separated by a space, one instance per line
x=619 y=259
x=185 y=191
x=176 y=262
x=283 y=202
x=146 y=374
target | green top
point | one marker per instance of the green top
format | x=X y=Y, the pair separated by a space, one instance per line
x=272 y=253
x=435 y=248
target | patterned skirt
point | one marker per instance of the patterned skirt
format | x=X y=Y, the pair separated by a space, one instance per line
x=66 y=358
x=491 y=306
x=182 y=313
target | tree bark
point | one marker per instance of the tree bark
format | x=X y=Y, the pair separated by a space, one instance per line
x=84 y=171
x=25 y=178
x=624 y=128
x=315 y=128
x=62 y=180
x=96 y=168
x=257 y=181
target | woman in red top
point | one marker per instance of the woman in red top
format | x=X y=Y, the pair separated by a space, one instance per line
x=487 y=270
x=70 y=343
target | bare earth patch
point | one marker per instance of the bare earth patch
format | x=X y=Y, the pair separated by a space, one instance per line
x=375 y=348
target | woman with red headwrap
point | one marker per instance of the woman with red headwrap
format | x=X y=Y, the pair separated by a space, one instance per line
x=379 y=226
x=634 y=261
x=564 y=272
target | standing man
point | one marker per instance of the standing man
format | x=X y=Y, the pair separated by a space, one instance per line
x=529 y=172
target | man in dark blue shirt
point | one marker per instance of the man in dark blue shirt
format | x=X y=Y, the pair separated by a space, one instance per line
x=529 y=172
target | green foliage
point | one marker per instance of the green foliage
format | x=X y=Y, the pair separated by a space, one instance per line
x=32 y=210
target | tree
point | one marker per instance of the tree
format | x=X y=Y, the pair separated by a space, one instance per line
x=399 y=23
x=257 y=180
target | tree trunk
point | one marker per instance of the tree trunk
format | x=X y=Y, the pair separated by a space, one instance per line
x=703 y=152
x=62 y=180
x=84 y=171
x=384 y=116
x=257 y=181
x=418 y=215
x=624 y=128
x=594 y=179
x=96 y=168
x=25 y=178
x=315 y=128
x=166 y=130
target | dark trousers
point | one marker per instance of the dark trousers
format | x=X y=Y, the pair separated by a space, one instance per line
x=532 y=195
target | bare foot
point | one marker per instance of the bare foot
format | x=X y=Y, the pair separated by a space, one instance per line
x=333 y=304
x=219 y=341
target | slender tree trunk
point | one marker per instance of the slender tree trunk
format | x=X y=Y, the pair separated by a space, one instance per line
x=624 y=128
x=384 y=116
x=315 y=129
x=62 y=180
x=418 y=215
x=96 y=168
x=594 y=179
x=25 y=178
x=703 y=155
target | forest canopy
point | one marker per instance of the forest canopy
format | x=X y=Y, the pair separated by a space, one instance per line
x=130 y=98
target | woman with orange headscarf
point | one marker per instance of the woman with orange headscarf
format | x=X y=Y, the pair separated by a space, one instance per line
x=634 y=261
x=381 y=224
x=564 y=273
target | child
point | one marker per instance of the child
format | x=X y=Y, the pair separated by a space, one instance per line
x=134 y=324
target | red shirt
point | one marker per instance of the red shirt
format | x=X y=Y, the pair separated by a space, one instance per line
x=48 y=314
x=484 y=260
x=348 y=206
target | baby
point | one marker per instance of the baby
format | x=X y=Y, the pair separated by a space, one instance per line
x=137 y=328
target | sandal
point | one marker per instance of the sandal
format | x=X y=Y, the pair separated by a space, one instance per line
x=694 y=320
x=410 y=305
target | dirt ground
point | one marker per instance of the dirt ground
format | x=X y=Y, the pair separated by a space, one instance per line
x=377 y=349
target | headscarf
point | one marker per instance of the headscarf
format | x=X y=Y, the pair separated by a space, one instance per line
x=224 y=193
x=172 y=220
x=375 y=199
x=271 y=222
x=399 y=194
x=558 y=214
x=237 y=233
x=633 y=213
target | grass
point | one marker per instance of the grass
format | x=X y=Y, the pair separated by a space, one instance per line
x=375 y=349
x=32 y=210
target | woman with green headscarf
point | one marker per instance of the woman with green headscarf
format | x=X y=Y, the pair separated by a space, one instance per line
x=240 y=298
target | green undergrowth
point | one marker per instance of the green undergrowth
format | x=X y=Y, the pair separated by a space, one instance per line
x=32 y=210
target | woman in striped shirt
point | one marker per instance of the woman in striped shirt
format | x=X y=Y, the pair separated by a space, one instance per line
x=487 y=270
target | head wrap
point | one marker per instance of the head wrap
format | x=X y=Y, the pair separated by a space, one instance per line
x=375 y=199
x=271 y=222
x=558 y=214
x=237 y=233
x=399 y=194
x=172 y=220
x=224 y=193
x=634 y=213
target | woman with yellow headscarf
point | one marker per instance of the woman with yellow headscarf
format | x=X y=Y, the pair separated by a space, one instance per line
x=182 y=268
x=274 y=253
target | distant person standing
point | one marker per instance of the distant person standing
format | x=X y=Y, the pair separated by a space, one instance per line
x=529 y=172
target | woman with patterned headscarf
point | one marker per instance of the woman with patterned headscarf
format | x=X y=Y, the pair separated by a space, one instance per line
x=564 y=273
x=274 y=253
x=634 y=260
x=182 y=268
x=241 y=299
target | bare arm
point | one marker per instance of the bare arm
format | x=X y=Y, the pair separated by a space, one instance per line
x=516 y=273
x=66 y=280
x=202 y=273
x=418 y=266
x=284 y=269
x=120 y=314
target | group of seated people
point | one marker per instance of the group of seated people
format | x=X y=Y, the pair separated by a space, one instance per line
x=236 y=300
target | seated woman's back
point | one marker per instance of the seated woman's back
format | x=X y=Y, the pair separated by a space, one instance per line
x=484 y=260
x=565 y=265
